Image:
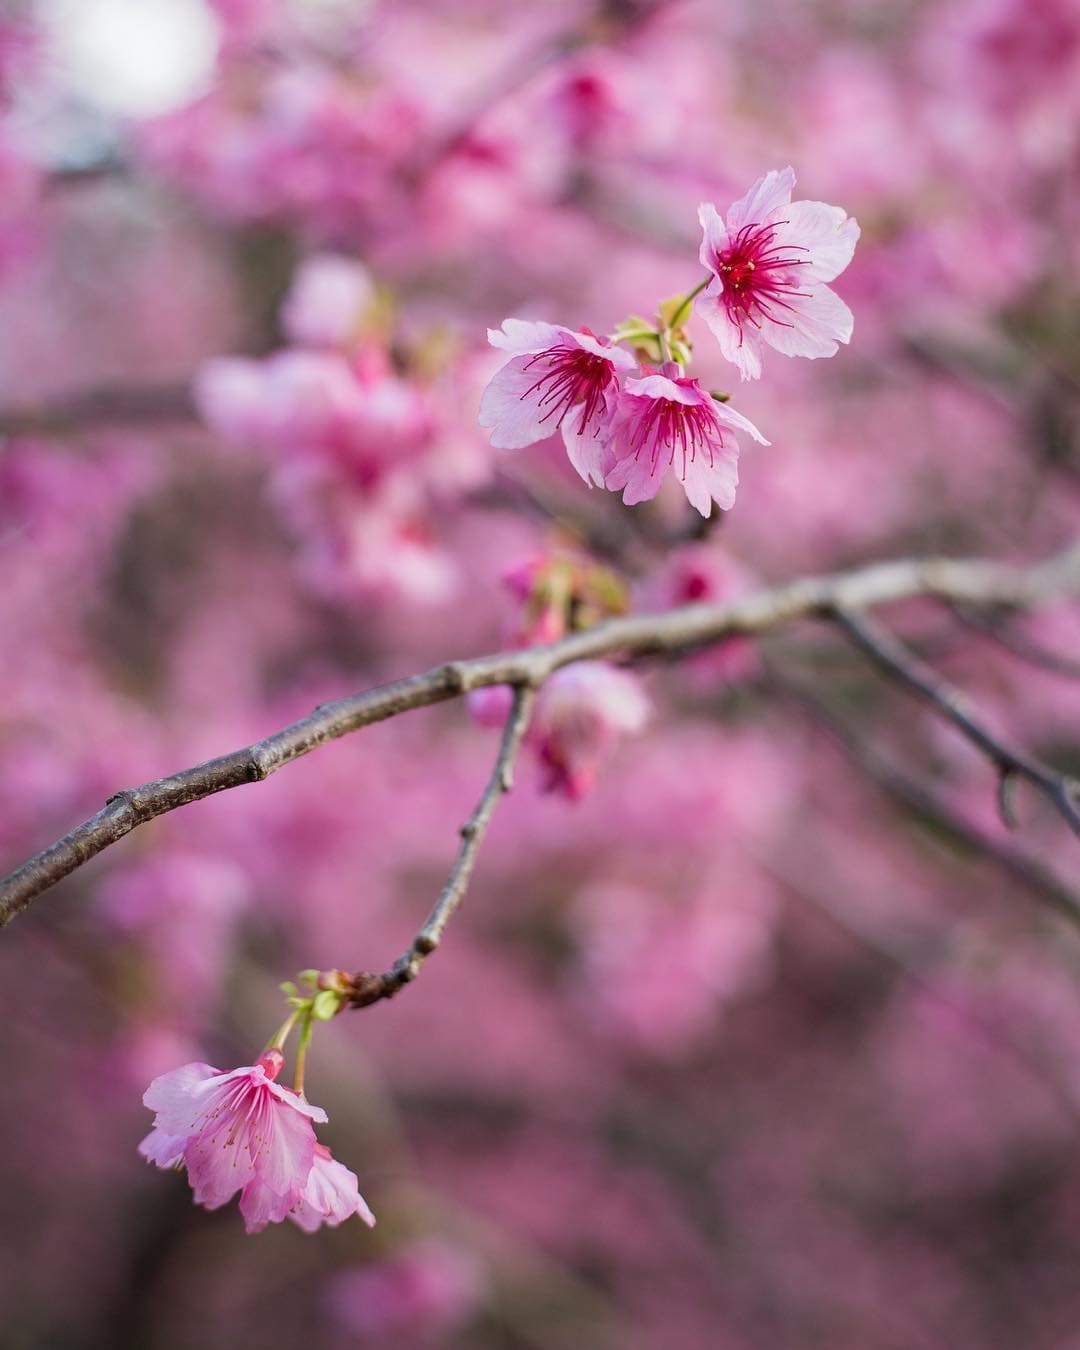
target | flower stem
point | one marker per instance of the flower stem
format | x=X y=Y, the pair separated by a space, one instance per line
x=306 y=1028
x=687 y=301
x=284 y=1031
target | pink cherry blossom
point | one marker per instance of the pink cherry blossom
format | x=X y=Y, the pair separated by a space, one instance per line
x=326 y=301
x=556 y=379
x=236 y=1131
x=331 y=1195
x=669 y=422
x=580 y=714
x=770 y=259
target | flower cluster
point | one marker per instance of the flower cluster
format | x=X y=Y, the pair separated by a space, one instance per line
x=768 y=263
x=242 y=1131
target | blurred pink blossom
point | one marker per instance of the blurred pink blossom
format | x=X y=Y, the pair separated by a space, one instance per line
x=581 y=713
x=426 y=1288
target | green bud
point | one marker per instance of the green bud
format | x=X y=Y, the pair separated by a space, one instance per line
x=325 y=1005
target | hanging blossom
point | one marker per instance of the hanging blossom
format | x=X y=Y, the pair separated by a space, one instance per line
x=242 y=1131
x=582 y=712
x=769 y=261
x=667 y=421
x=557 y=379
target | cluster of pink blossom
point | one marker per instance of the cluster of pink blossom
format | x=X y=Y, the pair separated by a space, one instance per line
x=769 y=261
x=758 y=1026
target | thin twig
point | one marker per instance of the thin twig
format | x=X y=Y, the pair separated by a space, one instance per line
x=920 y=802
x=367 y=988
x=1020 y=646
x=689 y=626
x=105 y=405
x=891 y=656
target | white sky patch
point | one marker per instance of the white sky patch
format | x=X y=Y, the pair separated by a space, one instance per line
x=134 y=57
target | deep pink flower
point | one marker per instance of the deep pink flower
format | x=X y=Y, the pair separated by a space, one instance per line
x=237 y=1131
x=669 y=422
x=555 y=380
x=769 y=260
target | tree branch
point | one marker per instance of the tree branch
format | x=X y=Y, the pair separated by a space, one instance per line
x=892 y=657
x=973 y=581
x=923 y=804
x=366 y=988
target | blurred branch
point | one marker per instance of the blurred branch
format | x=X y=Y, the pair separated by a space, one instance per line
x=688 y=627
x=1021 y=647
x=923 y=804
x=367 y=988
x=892 y=657
x=103 y=406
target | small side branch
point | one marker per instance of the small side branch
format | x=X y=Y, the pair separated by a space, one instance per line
x=972 y=581
x=892 y=657
x=367 y=988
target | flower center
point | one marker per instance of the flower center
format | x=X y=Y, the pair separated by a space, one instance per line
x=678 y=428
x=757 y=276
x=570 y=376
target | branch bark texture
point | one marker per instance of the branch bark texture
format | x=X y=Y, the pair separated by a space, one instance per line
x=972 y=581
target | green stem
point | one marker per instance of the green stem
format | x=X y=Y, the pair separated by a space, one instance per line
x=284 y=1031
x=306 y=1029
x=687 y=301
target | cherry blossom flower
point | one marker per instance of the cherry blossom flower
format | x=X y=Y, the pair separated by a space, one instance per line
x=556 y=379
x=326 y=301
x=331 y=1195
x=236 y=1131
x=669 y=422
x=770 y=259
x=580 y=714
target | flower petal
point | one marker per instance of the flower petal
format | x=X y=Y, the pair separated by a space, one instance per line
x=588 y=449
x=712 y=478
x=525 y=336
x=815 y=323
x=739 y=345
x=768 y=193
x=515 y=420
x=824 y=235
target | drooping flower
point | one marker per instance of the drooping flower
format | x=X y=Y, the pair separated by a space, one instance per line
x=669 y=422
x=770 y=259
x=236 y=1131
x=331 y=1196
x=556 y=379
x=581 y=712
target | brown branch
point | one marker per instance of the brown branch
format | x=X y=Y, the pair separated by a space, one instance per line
x=1022 y=647
x=974 y=581
x=923 y=804
x=366 y=988
x=892 y=657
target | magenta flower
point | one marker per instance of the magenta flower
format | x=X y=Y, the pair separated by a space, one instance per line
x=769 y=261
x=237 y=1131
x=669 y=422
x=555 y=379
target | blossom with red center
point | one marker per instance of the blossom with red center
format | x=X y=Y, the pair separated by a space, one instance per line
x=236 y=1131
x=669 y=422
x=556 y=379
x=769 y=260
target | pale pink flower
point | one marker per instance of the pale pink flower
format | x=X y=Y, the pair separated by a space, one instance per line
x=581 y=712
x=236 y=1131
x=331 y=1195
x=326 y=301
x=556 y=379
x=669 y=422
x=770 y=259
